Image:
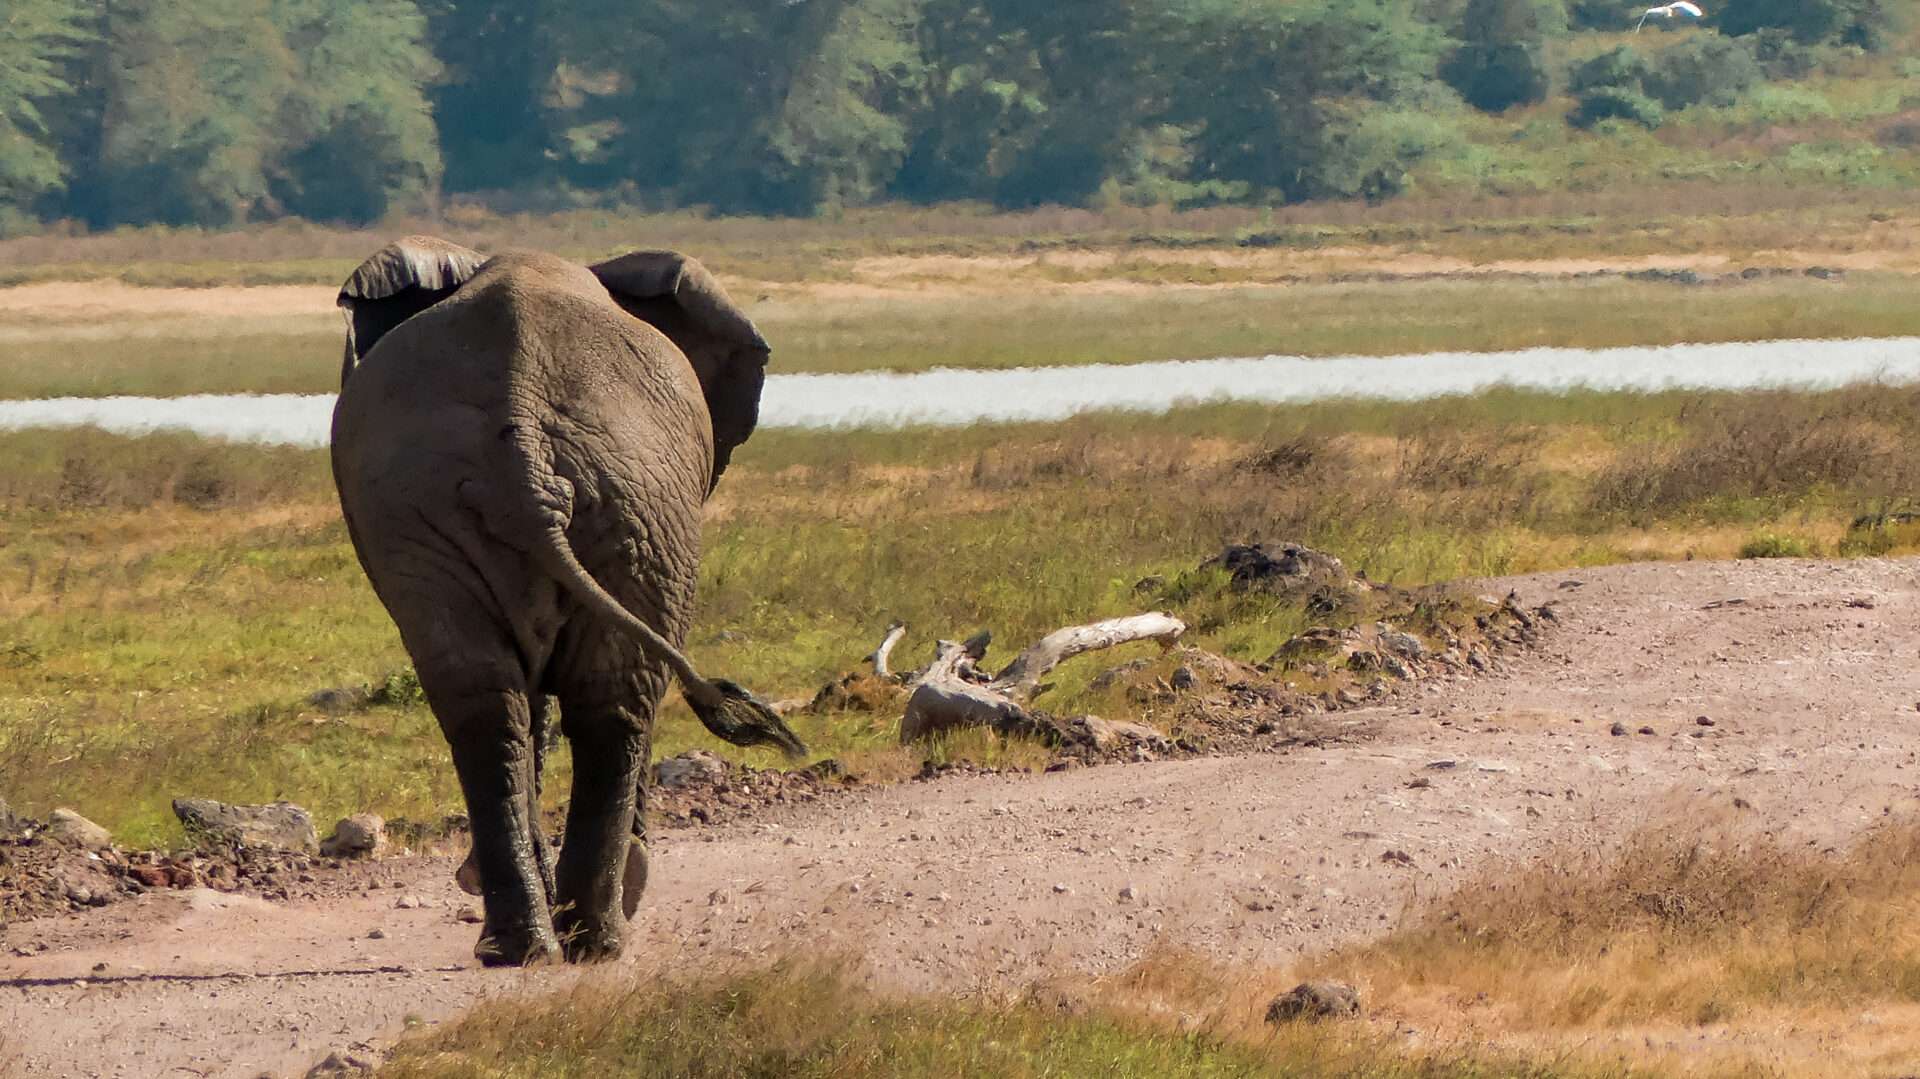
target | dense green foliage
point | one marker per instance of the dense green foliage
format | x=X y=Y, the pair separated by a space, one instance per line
x=226 y=111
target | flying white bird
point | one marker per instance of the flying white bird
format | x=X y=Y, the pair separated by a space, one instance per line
x=1668 y=11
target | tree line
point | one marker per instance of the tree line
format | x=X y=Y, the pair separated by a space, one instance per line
x=217 y=112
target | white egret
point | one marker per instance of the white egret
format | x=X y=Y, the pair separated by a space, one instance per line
x=1668 y=11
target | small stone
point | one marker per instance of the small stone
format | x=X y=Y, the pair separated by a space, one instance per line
x=697 y=768
x=1061 y=889
x=1420 y=784
x=1703 y=721
x=376 y=934
x=363 y=835
x=338 y=1063
x=1128 y=894
x=1182 y=678
x=1397 y=857
x=70 y=827
x=1314 y=1001
x=409 y=902
x=1647 y=730
x=1617 y=729
x=468 y=915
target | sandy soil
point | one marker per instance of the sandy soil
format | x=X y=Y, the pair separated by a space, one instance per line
x=77 y=309
x=1806 y=669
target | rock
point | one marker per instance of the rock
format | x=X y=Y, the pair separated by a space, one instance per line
x=1129 y=894
x=697 y=768
x=1617 y=729
x=1704 y=721
x=70 y=827
x=339 y=1063
x=363 y=835
x=376 y=934
x=281 y=826
x=409 y=902
x=469 y=915
x=338 y=699
x=1287 y=565
x=1061 y=889
x=1399 y=642
x=1314 y=1001
x=1105 y=735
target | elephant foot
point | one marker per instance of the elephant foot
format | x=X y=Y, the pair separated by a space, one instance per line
x=516 y=949
x=589 y=940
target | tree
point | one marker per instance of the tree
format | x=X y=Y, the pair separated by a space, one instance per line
x=180 y=126
x=1862 y=23
x=37 y=37
x=1273 y=89
x=356 y=129
x=1502 y=61
x=496 y=62
x=1705 y=69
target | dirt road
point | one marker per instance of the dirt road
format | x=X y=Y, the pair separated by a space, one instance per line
x=1808 y=671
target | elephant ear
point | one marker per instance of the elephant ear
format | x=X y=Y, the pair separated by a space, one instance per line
x=401 y=280
x=677 y=296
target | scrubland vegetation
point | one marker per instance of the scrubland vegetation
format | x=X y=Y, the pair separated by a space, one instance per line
x=1678 y=952
x=167 y=605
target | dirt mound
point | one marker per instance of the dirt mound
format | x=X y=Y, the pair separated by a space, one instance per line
x=41 y=875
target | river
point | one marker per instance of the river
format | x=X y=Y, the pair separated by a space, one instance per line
x=956 y=397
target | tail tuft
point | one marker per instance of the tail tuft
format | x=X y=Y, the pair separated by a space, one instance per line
x=743 y=719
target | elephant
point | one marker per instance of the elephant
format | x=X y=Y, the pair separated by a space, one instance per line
x=522 y=447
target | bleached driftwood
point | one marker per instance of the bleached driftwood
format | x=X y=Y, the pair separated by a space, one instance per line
x=879 y=657
x=952 y=692
x=1022 y=677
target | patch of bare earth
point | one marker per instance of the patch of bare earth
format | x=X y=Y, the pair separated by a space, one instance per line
x=1805 y=669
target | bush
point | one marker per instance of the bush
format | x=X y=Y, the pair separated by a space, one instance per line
x=1775 y=545
x=1704 y=69
x=1617 y=68
x=1501 y=61
x=1863 y=24
x=1769 y=105
x=1606 y=15
x=1616 y=103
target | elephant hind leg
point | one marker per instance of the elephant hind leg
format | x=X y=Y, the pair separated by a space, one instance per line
x=484 y=710
x=608 y=726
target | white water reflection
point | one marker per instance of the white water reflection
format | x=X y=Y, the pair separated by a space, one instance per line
x=952 y=397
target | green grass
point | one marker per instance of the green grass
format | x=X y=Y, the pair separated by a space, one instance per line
x=906 y=332
x=795 y=1023
x=168 y=605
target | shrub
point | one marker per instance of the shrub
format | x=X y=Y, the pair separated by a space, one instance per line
x=1704 y=69
x=1863 y=24
x=1615 y=103
x=1775 y=545
x=1599 y=15
x=1900 y=133
x=1620 y=68
x=1769 y=105
x=1501 y=61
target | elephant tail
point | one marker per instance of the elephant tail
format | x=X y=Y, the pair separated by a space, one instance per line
x=730 y=711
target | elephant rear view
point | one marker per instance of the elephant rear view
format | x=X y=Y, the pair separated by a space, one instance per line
x=522 y=448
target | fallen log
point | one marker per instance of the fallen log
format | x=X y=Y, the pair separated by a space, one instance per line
x=1021 y=679
x=895 y=631
x=951 y=692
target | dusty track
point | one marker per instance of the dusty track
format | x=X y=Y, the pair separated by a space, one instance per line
x=1811 y=680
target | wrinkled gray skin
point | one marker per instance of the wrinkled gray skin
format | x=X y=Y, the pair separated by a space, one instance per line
x=522 y=447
